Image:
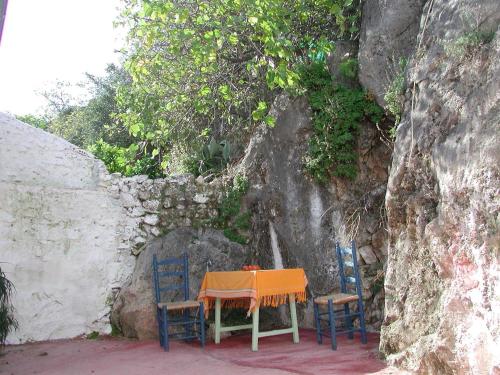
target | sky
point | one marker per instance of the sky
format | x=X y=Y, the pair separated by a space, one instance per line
x=50 y=40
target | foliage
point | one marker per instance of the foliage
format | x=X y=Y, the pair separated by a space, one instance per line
x=211 y=69
x=349 y=68
x=84 y=124
x=337 y=112
x=394 y=95
x=93 y=125
x=213 y=158
x=115 y=330
x=126 y=160
x=229 y=218
x=94 y=335
x=466 y=44
x=7 y=320
x=232 y=235
x=39 y=122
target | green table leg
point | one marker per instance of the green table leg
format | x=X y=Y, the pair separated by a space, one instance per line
x=293 y=315
x=217 y=320
x=255 y=330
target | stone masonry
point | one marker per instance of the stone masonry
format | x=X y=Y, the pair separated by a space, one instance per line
x=154 y=207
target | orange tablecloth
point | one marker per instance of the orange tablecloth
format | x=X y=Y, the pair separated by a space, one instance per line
x=252 y=288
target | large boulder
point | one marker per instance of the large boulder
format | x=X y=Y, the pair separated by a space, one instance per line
x=296 y=220
x=389 y=31
x=134 y=310
x=442 y=282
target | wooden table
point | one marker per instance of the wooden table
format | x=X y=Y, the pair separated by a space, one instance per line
x=253 y=289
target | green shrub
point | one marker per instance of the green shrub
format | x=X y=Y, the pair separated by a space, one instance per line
x=93 y=335
x=337 y=112
x=213 y=158
x=394 y=96
x=218 y=65
x=468 y=43
x=349 y=68
x=126 y=160
x=229 y=218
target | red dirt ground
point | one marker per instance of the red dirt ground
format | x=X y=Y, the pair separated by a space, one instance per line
x=276 y=356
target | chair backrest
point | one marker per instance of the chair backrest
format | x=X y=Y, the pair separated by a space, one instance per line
x=170 y=274
x=348 y=269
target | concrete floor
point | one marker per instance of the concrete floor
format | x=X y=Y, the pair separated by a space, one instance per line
x=276 y=356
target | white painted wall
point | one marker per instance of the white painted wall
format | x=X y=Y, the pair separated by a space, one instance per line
x=60 y=234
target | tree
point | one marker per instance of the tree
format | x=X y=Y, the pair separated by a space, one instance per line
x=84 y=122
x=204 y=69
x=40 y=122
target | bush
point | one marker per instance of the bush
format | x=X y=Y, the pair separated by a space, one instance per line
x=126 y=160
x=229 y=218
x=394 y=95
x=213 y=158
x=337 y=112
x=468 y=43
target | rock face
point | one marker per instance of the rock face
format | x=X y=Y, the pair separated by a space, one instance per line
x=442 y=283
x=296 y=221
x=134 y=311
x=58 y=235
x=389 y=31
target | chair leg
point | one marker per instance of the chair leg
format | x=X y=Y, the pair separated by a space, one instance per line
x=331 y=321
x=348 y=321
x=202 y=325
x=159 y=320
x=187 y=324
x=319 y=337
x=165 y=328
x=362 y=321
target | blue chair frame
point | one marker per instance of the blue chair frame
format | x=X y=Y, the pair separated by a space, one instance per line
x=194 y=325
x=346 y=296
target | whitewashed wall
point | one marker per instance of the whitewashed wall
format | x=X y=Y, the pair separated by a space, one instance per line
x=61 y=234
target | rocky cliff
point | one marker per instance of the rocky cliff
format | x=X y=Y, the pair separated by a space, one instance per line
x=442 y=282
x=296 y=220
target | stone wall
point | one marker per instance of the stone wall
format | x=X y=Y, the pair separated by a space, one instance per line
x=442 y=283
x=69 y=230
x=59 y=235
x=154 y=207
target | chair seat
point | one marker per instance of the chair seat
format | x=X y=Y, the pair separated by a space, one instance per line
x=337 y=298
x=179 y=305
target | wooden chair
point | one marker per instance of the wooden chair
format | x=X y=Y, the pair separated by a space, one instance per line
x=350 y=292
x=176 y=269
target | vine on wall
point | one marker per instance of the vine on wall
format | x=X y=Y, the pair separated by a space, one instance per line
x=337 y=113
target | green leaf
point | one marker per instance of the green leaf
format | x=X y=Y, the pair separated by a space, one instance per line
x=260 y=111
x=135 y=129
x=253 y=20
x=204 y=91
x=270 y=121
x=225 y=92
x=233 y=39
